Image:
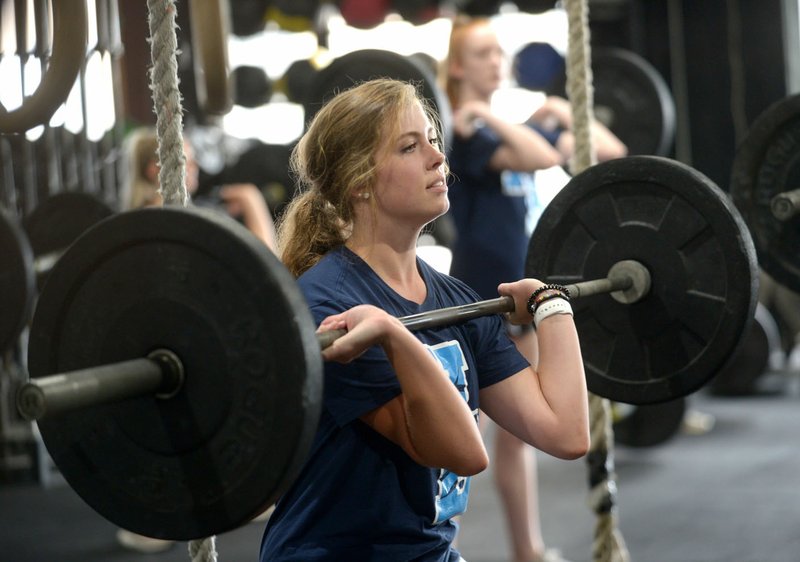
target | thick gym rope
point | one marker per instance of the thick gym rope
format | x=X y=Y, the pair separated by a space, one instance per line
x=608 y=545
x=167 y=101
x=169 y=129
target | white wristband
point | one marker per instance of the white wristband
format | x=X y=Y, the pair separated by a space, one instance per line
x=550 y=307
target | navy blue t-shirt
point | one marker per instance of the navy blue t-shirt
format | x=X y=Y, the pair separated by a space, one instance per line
x=489 y=211
x=359 y=496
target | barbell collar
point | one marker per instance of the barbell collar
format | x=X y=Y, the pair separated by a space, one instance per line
x=160 y=374
x=785 y=205
x=630 y=281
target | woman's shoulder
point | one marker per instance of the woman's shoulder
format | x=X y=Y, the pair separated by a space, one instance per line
x=331 y=278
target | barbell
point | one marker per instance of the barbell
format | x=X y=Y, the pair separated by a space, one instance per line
x=188 y=374
x=764 y=180
x=162 y=374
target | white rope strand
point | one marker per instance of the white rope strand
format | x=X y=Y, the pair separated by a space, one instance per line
x=167 y=101
x=608 y=545
x=203 y=550
x=169 y=129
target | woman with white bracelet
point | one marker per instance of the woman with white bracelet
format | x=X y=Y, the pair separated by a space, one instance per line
x=398 y=440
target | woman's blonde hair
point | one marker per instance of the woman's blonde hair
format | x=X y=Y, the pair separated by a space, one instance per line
x=141 y=149
x=459 y=36
x=335 y=157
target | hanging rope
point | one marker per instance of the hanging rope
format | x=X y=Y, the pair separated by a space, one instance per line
x=169 y=129
x=579 y=84
x=167 y=101
x=204 y=550
x=608 y=545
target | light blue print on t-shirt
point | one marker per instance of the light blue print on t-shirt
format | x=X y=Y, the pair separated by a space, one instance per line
x=523 y=184
x=453 y=490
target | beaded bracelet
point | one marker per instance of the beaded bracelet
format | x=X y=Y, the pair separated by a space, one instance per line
x=556 y=306
x=548 y=294
x=532 y=301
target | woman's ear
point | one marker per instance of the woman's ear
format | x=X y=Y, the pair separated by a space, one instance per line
x=454 y=69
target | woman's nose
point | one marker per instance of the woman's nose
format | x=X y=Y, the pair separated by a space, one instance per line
x=438 y=157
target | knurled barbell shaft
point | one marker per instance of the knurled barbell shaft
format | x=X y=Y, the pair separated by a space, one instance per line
x=785 y=205
x=622 y=276
x=161 y=373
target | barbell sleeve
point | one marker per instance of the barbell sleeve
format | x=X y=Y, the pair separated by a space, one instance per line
x=785 y=205
x=160 y=374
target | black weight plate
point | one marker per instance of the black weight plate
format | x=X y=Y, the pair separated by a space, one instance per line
x=360 y=66
x=230 y=442
x=535 y=6
x=632 y=100
x=418 y=12
x=477 y=7
x=17 y=282
x=767 y=163
x=741 y=376
x=248 y=16
x=252 y=86
x=296 y=81
x=58 y=220
x=687 y=233
x=649 y=425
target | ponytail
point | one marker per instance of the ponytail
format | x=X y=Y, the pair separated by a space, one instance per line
x=308 y=229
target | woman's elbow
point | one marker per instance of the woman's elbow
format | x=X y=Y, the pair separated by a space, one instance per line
x=472 y=465
x=467 y=461
x=611 y=151
x=464 y=461
x=575 y=446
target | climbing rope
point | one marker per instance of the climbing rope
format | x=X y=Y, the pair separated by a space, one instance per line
x=203 y=550
x=167 y=101
x=608 y=544
x=169 y=129
x=579 y=84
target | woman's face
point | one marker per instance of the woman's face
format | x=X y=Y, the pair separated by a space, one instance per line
x=410 y=186
x=479 y=65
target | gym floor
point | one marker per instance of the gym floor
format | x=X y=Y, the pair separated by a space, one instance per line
x=732 y=495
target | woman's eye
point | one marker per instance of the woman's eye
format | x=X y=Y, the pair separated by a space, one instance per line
x=435 y=142
x=410 y=147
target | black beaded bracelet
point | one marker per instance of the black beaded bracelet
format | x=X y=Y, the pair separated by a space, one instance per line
x=549 y=287
x=552 y=286
x=544 y=297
